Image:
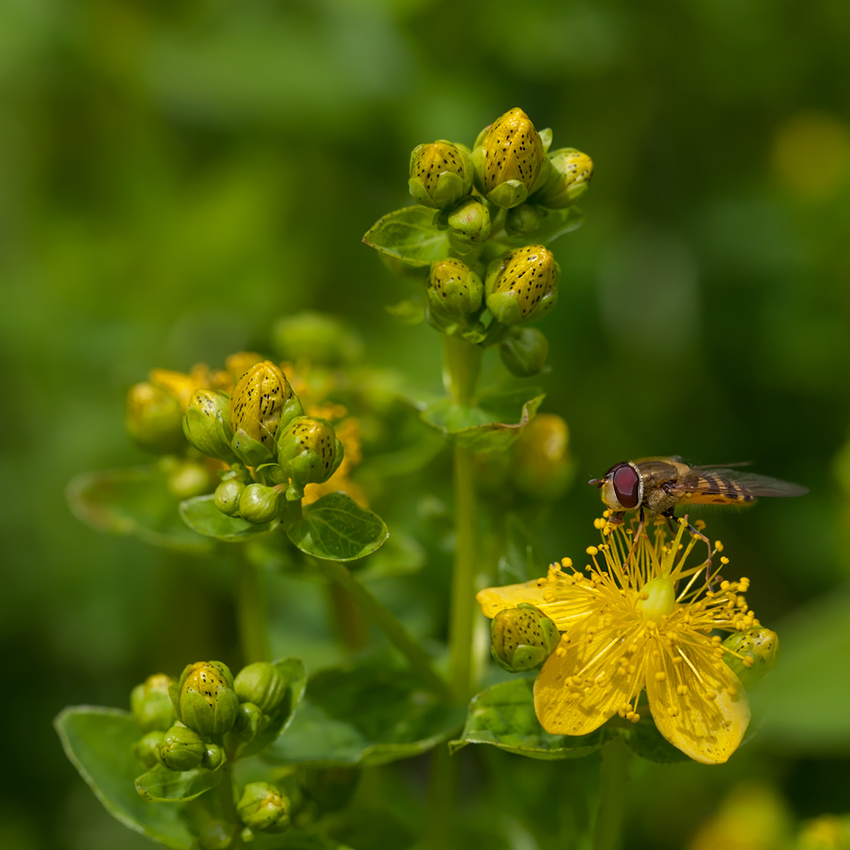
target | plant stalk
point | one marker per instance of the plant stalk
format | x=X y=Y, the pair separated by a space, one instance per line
x=251 y=612
x=612 y=796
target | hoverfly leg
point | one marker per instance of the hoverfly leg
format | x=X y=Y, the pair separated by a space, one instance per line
x=695 y=532
x=640 y=528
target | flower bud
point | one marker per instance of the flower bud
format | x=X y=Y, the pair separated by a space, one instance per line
x=262 y=807
x=309 y=453
x=509 y=160
x=470 y=220
x=146 y=749
x=259 y=503
x=204 y=698
x=522 y=220
x=262 y=684
x=151 y=704
x=759 y=644
x=250 y=721
x=455 y=293
x=227 y=496
x=186 y=478
x=522 y=285
x=320 y=338
x=440 y=174
x=181 y=749
x=214 y=757
x=262 y=402
x=524 y=351
x=206 y=424
x=154 y=419
x=179 y=384
x=540 y=462
x=522 y=638
x=568 y=180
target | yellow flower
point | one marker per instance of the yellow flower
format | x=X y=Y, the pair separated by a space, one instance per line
x=638 y=621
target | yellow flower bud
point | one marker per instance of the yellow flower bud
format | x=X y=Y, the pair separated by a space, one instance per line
x=309 y=453
x=264 y=808
x=540 y=463
x=204 y=698
x=262 y=400
x=154 y=419
x=151 y=704
x=522 y=285
x=509 y=159
x=440 y=174
x=568 y=181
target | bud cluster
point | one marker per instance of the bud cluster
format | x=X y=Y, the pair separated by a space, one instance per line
x=499 y=201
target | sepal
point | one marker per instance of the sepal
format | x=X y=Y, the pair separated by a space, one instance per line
x=206 y=424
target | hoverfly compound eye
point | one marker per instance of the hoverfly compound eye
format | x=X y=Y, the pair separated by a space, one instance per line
x=626 y=483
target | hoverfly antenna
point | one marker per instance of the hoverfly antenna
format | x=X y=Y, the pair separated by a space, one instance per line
x=598 y=482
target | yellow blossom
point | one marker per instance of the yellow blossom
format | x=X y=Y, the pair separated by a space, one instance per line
x=637 y=621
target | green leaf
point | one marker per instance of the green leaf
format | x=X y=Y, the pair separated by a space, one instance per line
x=336 y=528
x=491 y=426
x=296 y=679
x=168 y=786
x=363 y=716
x=503 y=715
x=99 y=743
x=133 y=501
x=410 y=235
x=201 y=515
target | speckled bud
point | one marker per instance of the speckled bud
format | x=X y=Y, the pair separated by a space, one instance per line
x=455 y=294
x=204 y=698
x=569 y=179
x=309 y=452
x=524 y=351
x=523 y=285
x=509 y=160
x=154 y=419
x=540 y=463
x=262 y=684
x=760 y=645
x=261 y=403
x=227 y=496
x=181 y=749
x=470 y=221
x=258 y=503
x=146 y=749
x=440 y=174
x=522 y=638
x=206 y=424
x=263 y=808
x=151 y=704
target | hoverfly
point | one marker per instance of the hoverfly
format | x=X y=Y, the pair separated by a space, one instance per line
x=656 y=485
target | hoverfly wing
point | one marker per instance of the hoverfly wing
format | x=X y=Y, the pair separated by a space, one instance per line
x=728 y=486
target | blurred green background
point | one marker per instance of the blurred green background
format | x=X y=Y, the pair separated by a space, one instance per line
x=175 y=176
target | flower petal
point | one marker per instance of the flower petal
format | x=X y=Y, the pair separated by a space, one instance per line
x=495 y=599
x=579 y=688
x=697 y=702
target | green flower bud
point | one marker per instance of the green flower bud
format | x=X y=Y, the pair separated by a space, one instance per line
x=181 y=749
x=206 y=424
x=146 y=749
x=509 y=160
x=264 y=808
x=522 y=638
x=540 y=462
x=154 y=419
x=757 y=652
x=214 y=757
x=259 y=503
x=440 y=174
x=320 y=338
x=204 y=698
x=262 y=684
x=470 y=221
x=455 y=294
x=186 y=478
x=250 y=721
x=331 y=787
x=523 y=285
x=524 y=351
x=309 y=453
x=569 y=179
x=227 y=496
x=522 y=220
x=151 y=704
x=261 y=404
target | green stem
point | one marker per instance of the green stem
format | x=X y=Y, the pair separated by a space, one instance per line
x=251 y=612
x=227 y=804
x=387 y=622
x=348 y=617
x=461 y=364
x=612 y=796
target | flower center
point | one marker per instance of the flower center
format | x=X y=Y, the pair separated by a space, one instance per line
x=657 y=599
